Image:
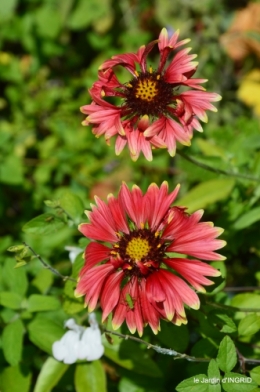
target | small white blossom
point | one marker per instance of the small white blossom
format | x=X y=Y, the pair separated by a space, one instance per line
x=79 y=342
x=73 y=252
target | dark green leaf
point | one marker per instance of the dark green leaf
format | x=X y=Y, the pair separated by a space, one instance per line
x=43 y=332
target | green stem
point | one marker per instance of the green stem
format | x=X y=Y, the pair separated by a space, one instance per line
x=218 y=171
x=49 y=267
x=233 y=308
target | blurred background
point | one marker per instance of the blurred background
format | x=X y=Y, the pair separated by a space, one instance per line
x=50 y=51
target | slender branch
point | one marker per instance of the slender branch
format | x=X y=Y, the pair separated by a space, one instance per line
x=166 y=351
x=248 y=288
x=214 y=170
x=233 y=308
x=49 y=267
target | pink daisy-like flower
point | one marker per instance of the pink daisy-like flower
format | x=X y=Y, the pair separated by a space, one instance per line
x=153 y=112
x=136 y=277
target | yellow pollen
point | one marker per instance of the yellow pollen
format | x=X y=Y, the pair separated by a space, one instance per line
x=158 y=77
x=146 y=90
x=150 y=70
x=137 y=248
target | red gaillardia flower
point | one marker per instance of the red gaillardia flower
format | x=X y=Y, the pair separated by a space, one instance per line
x=136 y=277
x=153 y=112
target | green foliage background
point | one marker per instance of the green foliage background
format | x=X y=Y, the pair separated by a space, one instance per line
x=50 y=51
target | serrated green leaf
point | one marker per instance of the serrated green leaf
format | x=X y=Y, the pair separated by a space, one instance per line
x=44 y=224
x=39 y=303
x=206 y=193
x=227 y=357
x=234 y=382
x=12 y=340
x=214 y=377
x=247 y=219
x=90 y=377
x=72 y=205
x=15 y=379
x=50 y=374
x=43 y=332
x=194 y=384
x=255 y=374
x=249 y=325
x=16 y=248
x=222 y=320
x=10 y=300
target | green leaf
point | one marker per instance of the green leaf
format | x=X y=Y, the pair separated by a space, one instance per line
x=129 y=356
x=222 y=320
x=249 y=325
x=43 y=280
x=38 y=303
x=173 y=336
x=12 y=168
x=194 y=384
x=52 y=203
x=227 y=357
x=71 y=304
x=247 y=300
x=44 y=332
x=207 y=193
x=10 y=300
x=72 y=205
x=247 y=219
x=12 y=342
x=16 y=248
x=234 y=382
x=90 y=377
x=15 y=379
x=7 y=8
x=44 y=224
x=214 y=377
x=255 y=374
x=14 y=279
x=50 y=374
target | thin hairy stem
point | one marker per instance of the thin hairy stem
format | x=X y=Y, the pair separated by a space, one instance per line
x=215 y=170
x=49 y=267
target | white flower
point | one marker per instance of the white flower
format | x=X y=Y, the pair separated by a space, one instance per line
x=79 y=342
x=74 y=251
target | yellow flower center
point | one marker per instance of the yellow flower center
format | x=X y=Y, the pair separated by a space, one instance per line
x=146 y=89
x=137 y=248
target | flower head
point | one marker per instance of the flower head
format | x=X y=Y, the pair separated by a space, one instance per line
x=153 y=112
x=137 y=277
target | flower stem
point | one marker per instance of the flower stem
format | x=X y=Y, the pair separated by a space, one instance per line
x=218 y=171
x=47 y=266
